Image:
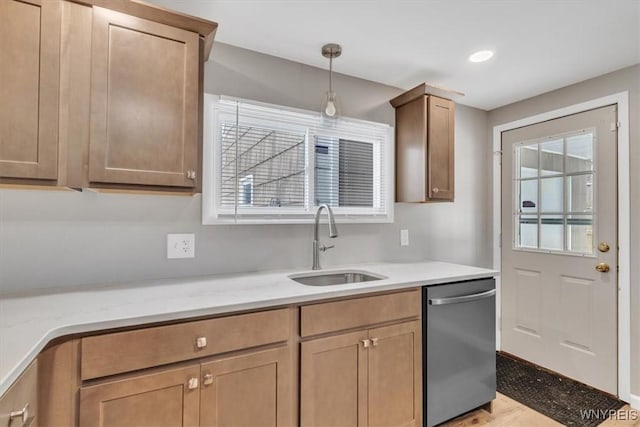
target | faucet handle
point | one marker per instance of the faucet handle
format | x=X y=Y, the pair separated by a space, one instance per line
x=324 y=248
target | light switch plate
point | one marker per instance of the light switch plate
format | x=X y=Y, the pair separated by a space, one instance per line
x=181 y=245
x=404 y=237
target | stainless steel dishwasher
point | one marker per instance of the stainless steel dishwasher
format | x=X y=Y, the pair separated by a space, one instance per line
x=459 y=328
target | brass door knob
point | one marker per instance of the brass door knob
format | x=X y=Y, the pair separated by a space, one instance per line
x=602 y=267
x=603 y=247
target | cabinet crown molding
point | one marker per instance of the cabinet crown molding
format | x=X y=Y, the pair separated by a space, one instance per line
x=425 y=89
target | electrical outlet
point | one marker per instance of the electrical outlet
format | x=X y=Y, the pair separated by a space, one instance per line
x=404 y=237
x=181 y=245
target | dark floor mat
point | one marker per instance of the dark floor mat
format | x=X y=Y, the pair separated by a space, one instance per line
x=553 y=395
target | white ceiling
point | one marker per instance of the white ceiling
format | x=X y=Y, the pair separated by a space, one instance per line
x=539 y=45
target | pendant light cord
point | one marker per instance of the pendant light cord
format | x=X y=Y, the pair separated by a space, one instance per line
x=330 y=74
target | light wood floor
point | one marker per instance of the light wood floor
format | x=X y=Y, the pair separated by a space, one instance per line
x=509 y=413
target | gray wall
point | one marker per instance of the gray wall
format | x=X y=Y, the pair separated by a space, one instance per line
x=55 y=238
x=627 y=79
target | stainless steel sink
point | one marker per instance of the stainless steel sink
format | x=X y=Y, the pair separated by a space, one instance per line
x=335 y=278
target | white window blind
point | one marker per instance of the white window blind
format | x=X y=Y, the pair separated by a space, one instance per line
x=265 y=163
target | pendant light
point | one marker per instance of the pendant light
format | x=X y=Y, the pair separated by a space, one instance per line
x=330 y=107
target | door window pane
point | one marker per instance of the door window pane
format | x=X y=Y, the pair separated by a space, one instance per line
x=552 y=232
x=527 y=231
x=528 y=197
x=580 y=153
x=580 y=190
x=580 y=233
x=551 y=192
x=552 y=157
x=527 y=161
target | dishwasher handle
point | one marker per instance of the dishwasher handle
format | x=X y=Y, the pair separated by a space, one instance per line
x=463 y=298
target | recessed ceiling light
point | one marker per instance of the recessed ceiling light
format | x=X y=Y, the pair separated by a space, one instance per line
x=481 y=56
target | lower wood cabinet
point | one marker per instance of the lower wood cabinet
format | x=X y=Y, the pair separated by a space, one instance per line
x=247 y=390
x=333 y=382
x=366 y=378
x=168 y=398
x=19 y=405
x=242 y=390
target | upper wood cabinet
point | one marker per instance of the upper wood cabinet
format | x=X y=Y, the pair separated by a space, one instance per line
x=101 y=93
x=29 y=74
x=144 y=102
x=424 y=147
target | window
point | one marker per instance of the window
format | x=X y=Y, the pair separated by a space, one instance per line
x=264 y=164
x=554 y=193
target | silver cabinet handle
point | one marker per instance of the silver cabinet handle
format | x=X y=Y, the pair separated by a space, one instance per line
x=366 y=343
x=463 y=298
x=22 y=414
x=193 y=383
x=201 y=342
x=374 y=341
x=207 y=379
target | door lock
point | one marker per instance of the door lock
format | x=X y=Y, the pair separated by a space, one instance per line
x=603 y=247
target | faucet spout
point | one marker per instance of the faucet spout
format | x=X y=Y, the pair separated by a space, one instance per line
x=333 y=232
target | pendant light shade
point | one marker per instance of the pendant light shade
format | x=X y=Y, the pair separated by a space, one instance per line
x=331 y=105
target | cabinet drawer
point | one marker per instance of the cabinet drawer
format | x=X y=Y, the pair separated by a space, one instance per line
x=143 y=348
x=23 y=395
x=359 y=312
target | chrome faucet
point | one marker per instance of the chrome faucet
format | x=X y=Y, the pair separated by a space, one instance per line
x=333 y=232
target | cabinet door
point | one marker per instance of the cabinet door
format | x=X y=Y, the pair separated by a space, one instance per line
x=440 y=148
x=334 y=381
x=163 y=399
x=21 y=396
x=144 y=102
x=247 y=390
x=30 y=58
x=395 y=375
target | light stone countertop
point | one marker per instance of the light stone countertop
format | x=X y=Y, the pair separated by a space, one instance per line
x=29 y=321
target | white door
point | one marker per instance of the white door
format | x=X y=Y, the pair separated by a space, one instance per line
x=559 y=246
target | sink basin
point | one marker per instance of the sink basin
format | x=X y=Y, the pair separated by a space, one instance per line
x=335 y=278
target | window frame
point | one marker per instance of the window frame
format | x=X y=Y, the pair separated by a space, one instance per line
x=313 y=124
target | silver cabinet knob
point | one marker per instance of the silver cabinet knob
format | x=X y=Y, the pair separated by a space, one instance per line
x=435 y=190
x=192 y=384
x=22 y=415
x=201 y=342
x=366 y=343
x=374 y=341
x=191 y=174
x=207 y=379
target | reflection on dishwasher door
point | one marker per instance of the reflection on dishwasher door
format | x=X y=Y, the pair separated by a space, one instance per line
x=459 y=348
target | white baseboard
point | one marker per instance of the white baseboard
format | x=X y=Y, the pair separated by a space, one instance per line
x=634 y=401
